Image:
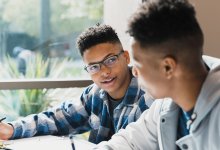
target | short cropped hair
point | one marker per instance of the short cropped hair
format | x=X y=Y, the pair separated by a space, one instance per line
x=96 y=35
x=167 y=21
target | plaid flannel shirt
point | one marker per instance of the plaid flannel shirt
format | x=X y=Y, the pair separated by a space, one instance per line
x=88 y=113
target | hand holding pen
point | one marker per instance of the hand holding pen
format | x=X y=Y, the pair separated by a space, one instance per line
x=6 y=130
x=2 y=119
x=2 y=127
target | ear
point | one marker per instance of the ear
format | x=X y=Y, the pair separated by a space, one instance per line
x=168 y=67
x=127 y=57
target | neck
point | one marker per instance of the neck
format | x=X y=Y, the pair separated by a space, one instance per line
x=189 y=89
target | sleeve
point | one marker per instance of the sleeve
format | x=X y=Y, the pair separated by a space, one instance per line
x=69 y=117
x=138 y=135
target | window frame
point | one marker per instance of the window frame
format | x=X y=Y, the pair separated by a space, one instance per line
x=13 y=84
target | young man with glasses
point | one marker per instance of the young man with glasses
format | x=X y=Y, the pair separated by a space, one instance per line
x=111 y=103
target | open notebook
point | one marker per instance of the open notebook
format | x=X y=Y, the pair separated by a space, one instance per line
x=47 y=142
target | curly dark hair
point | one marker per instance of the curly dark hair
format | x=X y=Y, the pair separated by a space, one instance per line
x=159 y=21
x=96 y=35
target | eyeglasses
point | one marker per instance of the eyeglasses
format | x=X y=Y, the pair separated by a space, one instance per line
x=108 y=62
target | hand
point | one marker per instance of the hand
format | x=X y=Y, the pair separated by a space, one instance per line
x=6 y=131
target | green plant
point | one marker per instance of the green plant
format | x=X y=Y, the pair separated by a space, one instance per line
x=24 y=102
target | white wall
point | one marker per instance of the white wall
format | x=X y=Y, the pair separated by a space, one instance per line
x=116 y=14
x=208 y=14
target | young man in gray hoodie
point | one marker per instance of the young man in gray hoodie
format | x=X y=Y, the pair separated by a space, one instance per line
x=167 y=48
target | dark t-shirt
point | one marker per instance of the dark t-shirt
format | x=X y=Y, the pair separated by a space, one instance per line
x=112 y=105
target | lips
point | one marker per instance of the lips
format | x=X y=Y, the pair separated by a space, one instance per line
x=109 y=80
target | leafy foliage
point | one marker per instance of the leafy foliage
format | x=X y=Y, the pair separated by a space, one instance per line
x=24 y=102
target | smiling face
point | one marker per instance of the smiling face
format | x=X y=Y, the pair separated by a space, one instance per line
x=152 y=71
x=114 y=79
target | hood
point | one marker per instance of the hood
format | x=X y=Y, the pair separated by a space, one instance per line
x=209 y=96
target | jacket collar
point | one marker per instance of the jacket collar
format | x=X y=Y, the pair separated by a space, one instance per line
x=208 y=97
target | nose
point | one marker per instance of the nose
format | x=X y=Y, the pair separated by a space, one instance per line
x=134 y=71
x=105 y=71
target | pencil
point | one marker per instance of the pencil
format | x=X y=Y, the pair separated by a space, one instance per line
x=2 y=119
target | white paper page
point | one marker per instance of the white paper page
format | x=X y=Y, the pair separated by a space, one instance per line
x=81 y=144
x=40 y=143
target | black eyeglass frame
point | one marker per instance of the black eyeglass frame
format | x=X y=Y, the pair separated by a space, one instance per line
x=102 y=62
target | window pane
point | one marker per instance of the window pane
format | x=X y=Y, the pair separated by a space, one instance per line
x=18 y=103
x=37 y=37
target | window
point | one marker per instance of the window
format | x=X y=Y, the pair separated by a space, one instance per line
x=37 y=37
x=38 y=55
x=37 y=49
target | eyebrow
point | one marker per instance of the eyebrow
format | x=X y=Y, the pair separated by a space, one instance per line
x=97 y=62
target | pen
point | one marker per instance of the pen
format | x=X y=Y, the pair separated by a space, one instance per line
x=72 y=141
x=2 y=119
